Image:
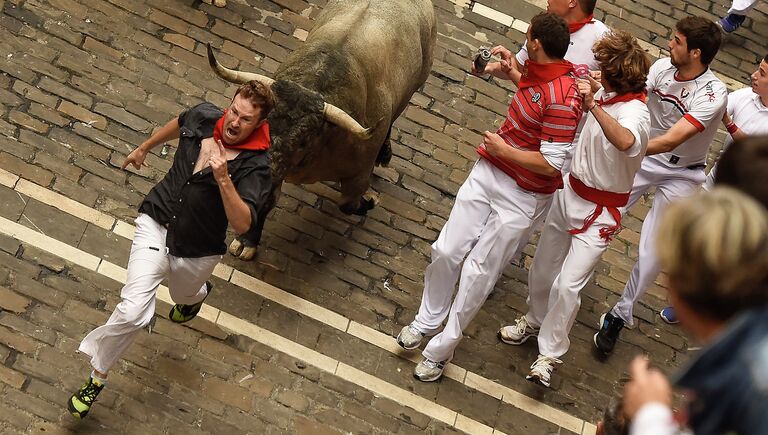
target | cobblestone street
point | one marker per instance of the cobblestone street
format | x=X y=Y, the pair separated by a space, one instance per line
x=301 y=339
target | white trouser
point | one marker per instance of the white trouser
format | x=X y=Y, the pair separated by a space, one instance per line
x=671 y=184
x=148 y=264
x=491 y=216
x=562 y=266
x=741 y=7
x=709 y=182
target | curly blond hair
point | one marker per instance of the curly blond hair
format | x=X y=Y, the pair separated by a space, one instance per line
x=623 y=63
x=714 y=247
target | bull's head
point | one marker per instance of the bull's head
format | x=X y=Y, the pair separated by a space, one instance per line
x=329 y=112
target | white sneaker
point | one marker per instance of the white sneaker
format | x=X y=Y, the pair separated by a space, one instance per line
x=518 y=333
x=409 y=337
x=541 y=370
x=428 y=370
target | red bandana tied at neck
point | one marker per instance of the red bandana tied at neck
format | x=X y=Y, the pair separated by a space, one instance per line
x=575 y=27
x=639 y=96
x=539 y=73
x=257 y=141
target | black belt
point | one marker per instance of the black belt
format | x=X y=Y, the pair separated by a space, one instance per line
x=674 y=159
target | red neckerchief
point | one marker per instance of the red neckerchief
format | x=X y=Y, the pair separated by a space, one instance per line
x=639 y=96
x=537 y=73
x=575 y=27
x=257 y=141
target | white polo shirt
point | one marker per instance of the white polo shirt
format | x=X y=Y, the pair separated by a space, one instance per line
x=702 y=101
x=748 y=112
x=599 y=164
x=580 y=50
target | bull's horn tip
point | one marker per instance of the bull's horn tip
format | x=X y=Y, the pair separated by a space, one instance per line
x=367 y=133
x=211 y=57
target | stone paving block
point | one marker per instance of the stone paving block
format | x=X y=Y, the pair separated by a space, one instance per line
x=179 y=372
x=12 y=301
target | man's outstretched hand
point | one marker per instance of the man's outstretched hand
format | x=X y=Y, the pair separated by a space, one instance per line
x=135 y=158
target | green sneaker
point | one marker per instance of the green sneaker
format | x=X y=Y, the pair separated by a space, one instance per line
x=80 y=403
x=181 y=313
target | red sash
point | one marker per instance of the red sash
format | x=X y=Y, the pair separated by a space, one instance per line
x=575 y=27
x=536 y=73
x=257 y=141
x=610 y=200
x=640 y=96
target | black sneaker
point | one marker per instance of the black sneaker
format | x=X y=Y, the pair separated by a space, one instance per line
x=80 y=403
x=606 y=337
x=181 y=313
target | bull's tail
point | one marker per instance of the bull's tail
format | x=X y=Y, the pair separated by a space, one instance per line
x=385 y=152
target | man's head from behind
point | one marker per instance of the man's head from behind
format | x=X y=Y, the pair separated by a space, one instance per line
x=743 y=167
x=614 y=422
x=571 y=8
x=247 y=112
x=623 y=63
x=547 y=35
x=714 y=248
x=695 y=40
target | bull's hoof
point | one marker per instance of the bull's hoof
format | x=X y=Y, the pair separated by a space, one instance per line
x=367 y=202
x=242 y=251
x=219 y=3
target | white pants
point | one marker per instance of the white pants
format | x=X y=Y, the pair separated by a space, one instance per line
x=148 y=264
x=742 y=7
x=562 y=266
x=490 y=218
x=671 y=184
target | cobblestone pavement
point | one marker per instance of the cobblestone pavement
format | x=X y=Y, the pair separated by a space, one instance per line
x=84 y=81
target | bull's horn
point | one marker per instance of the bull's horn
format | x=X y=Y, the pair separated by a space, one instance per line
x=234 y=76
x=342 y=119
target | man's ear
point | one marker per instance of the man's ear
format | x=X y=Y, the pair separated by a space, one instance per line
x=696 y=53
x=263 y=120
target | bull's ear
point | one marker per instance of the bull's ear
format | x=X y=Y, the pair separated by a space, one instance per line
x=342 y=119
x=235 y=76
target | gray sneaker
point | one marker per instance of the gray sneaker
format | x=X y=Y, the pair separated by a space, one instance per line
x=409 y=337
x=518 y=333
x=428 y=370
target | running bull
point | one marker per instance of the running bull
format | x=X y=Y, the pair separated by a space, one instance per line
x=359 y=66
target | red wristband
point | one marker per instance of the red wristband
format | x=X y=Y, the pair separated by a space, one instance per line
x=731 y=127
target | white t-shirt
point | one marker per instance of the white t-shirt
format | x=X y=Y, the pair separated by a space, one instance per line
x=599 y=164
x=701 y=101
x=749 y=114
x=580 y=50
x=580 y=55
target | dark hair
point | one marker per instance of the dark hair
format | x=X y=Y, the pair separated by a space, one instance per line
x=623 y=63
x=552 y=32
x=701 y=33
x=766 y=58
x=258 y=94
x=743 y=167
x=588 y=6
x=614 y=421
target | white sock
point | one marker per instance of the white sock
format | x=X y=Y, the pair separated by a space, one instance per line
x=99 y=380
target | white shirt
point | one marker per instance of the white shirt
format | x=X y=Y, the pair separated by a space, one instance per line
x=580 y=49
x=599 y=164
x=701 y=101
x=748 y=112
x=580 y=55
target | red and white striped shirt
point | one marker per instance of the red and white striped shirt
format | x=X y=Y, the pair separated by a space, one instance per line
x=546 y=112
